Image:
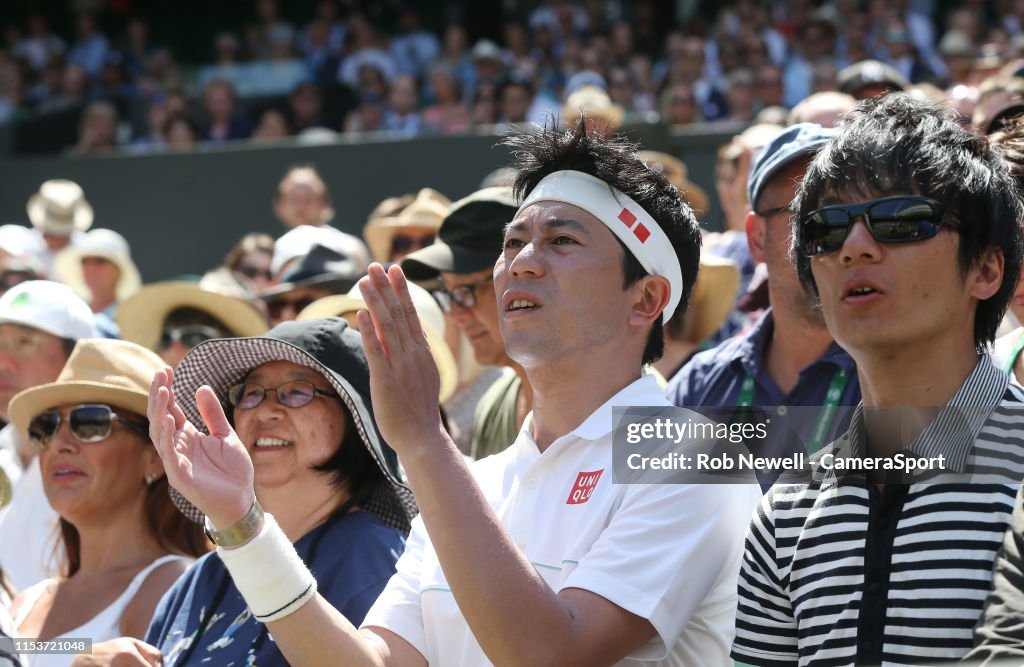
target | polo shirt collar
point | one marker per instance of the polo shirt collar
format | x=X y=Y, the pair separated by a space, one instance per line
x=641 y=392
x=952 y=433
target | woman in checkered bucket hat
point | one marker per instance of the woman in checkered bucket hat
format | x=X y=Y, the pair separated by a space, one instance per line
x=290 y=413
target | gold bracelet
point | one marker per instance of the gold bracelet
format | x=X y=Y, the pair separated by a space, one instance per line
x=241 y=531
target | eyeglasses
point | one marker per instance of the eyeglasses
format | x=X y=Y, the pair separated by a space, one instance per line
x=464 y=295
x=189 y=336
x=276 y=307
x=403 y=243
x=294 y=394
x=89 y=423
x=900 y=219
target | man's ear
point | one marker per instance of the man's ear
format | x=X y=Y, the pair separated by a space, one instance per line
x=756 y=230
x=652 y=298
x=986 y=277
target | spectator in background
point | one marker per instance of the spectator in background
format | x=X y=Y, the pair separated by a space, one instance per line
x=455 y=54
x=60 y=215
x=484 y=111
x=825 y=109
x=363 y=48
x=739 y=95
x=113 y=83
x=272 y=127
x=401 y=118
x=302 y=198
x=678 y=105
x=319 y=54
x=227 y=64
x=97 y=129
x=251 y=258
x=447 y=114
x=815 y=42
x=280 y=71
x=488 y=66
x=101 y=271
x=90 y=47
x=269 y=30
x=368 y=116
x=222 y=123
x=321 y=272
x=769 y=89
x=305 y=106
x=172 y=317
x=515 y=99
x=181 y=131
x=137 y=48
x=413 y=48
x=392 y=236
x=40 y=46
x=73 y=90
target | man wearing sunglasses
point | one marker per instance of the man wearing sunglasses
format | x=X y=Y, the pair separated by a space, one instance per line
x=906 y=228
x=40 y=322
x=462 y=259
x=533 y=556
x=788 y=358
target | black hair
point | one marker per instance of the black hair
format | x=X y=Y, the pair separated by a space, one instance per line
x=615 y=161
x=898 y=145
x=351 y=466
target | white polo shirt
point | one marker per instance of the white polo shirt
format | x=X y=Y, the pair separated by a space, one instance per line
x=669 y=553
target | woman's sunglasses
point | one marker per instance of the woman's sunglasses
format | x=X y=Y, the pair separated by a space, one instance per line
x=295 y=394
x=189 y=336
x=900 y=219
x=88 y=423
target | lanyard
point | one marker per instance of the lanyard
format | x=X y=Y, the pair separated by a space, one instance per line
x=828 y=409
x=1017 y=347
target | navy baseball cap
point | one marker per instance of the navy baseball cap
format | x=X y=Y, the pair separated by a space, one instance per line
x=796 y=141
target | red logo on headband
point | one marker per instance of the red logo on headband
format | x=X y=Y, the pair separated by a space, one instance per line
x=640 y=232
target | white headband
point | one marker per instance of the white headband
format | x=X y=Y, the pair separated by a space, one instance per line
x=624 y=217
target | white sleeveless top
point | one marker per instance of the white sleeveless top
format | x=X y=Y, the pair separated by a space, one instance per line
x=101 y=627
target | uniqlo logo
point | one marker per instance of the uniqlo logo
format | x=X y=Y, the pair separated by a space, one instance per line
x=584 y=487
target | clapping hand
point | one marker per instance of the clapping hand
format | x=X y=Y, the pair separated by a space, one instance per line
x=214 y=472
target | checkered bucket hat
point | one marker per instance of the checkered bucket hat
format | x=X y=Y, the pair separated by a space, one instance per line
x=329 y=347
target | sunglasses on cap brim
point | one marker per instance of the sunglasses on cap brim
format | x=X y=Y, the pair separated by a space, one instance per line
x=88 y=423
x=900 y=219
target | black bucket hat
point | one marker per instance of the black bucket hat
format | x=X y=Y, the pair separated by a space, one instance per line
x=329 y=347
x=469 y=239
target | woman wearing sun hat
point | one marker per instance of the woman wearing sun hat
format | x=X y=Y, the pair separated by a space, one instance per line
x=122 y=540
x=298 y=399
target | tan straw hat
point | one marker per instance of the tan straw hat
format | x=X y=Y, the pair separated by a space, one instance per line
x=60 y=208
x=141 y=317
x=593 y=101
x=677 y=174
x=99 y=370
x=431 y=317
x=713 y=296
x=427 y=210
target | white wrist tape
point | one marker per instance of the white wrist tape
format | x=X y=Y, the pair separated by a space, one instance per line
x=269 y=574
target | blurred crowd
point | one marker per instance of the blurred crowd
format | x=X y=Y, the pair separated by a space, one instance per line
x=341 y=68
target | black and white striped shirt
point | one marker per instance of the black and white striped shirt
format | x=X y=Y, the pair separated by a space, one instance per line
x=840 y=572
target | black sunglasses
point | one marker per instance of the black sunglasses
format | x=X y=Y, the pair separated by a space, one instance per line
x=403 y=243
x=189 y=336
x=89 y=423
x=294 y=394
x=900 y=219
